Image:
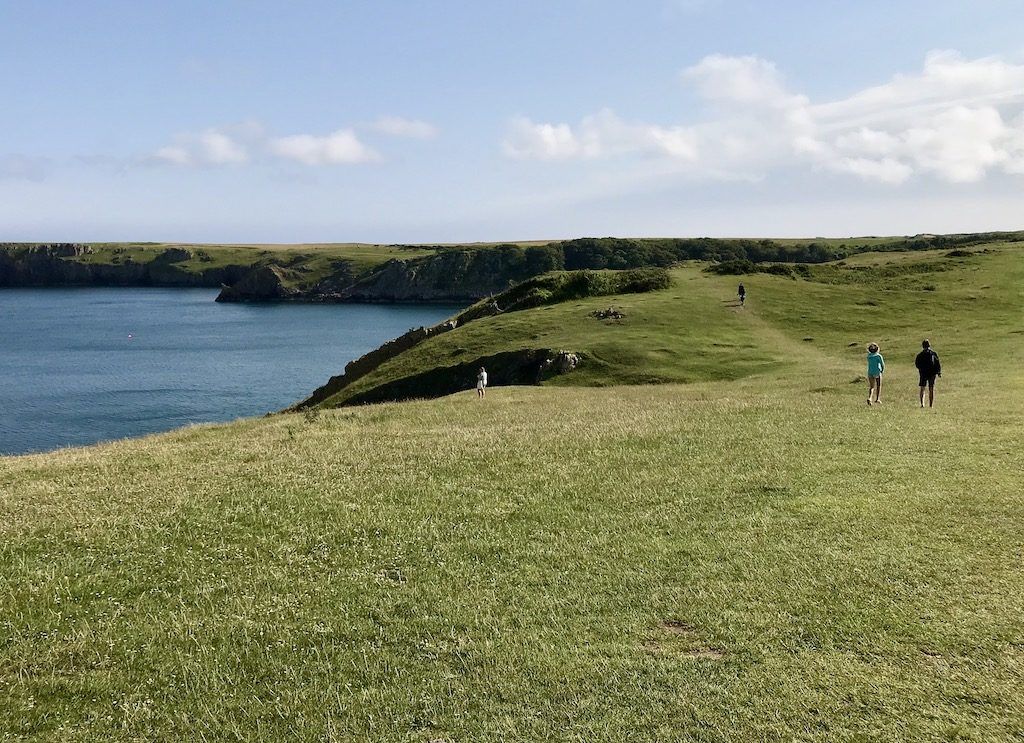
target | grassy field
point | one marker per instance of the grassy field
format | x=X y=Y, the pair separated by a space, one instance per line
x=753 y=555
x=696 y=331
x=317 y=257
x=362 y=256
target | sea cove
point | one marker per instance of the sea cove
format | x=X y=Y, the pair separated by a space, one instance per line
x=92 y=364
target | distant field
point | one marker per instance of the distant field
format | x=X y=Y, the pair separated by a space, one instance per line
x=744 y=551
x=330 y=272
x=362 y=255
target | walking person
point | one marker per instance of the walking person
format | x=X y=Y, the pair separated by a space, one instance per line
x=742 y=292
x=481 y=382
x=928 y=367
x=876 y=365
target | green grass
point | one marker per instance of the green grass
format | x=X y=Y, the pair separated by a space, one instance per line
x=756 y=555
x=324 y=268
x=315 y=257
x=695 y=330
x=312 y=262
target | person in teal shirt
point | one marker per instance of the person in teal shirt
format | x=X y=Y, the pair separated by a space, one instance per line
x=876 y=365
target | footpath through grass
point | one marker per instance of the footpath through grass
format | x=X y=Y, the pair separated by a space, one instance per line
x=761 y=557
x=972 y=307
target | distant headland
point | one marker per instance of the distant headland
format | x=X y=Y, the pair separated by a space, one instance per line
x=359 y=272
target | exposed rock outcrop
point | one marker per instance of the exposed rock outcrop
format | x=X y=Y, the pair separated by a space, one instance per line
x=460 y=275
x=561 y=362
x=59 y=250
x=40 y=265
x=274 y=283
x=174 y=255
x=70 y=264
x=262 y=283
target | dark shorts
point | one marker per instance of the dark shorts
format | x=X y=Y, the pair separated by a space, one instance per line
x=927 y=380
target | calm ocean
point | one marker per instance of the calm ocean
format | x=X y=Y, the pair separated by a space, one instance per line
x=79 y=366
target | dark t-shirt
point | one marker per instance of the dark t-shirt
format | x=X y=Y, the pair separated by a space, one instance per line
x=927 y=362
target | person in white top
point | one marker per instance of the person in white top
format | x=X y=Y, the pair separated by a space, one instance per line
x=481 y=382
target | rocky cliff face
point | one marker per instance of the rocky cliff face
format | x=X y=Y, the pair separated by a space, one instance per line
x=368 y=362
x=38 y=265
x=450 y=275
x=273 y=283
x=57 y=264
x=263 y=283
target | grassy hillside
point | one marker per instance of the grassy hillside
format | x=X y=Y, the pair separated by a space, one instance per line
x=695 y=331
x=755 y=555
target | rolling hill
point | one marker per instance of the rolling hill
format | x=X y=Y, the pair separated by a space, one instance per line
x=700 y=533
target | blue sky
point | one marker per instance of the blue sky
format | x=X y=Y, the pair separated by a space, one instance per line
x=448 y=121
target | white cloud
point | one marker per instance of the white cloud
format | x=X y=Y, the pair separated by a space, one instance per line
x=340 y=147
x=243 y=143
x=884 y=170
x=960 y=144
x=742 y=80
x=396 y=126
x=867 y=141
x=175 y=155
x=602 y=135
x=956 y=120
x=946 y=80
x=957 y=145
x=220 y=149
x=529 y=141
x=215 y=146
x=1015 y=147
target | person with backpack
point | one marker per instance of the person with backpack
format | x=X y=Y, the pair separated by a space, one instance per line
x=742 y=292
x=928 y=367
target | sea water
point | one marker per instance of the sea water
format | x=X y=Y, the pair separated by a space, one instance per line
x=79 y=366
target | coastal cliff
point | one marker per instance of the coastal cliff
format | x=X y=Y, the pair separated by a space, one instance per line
x=453 y=274
x=76 y=264
x=275 y=275
x=354 y=272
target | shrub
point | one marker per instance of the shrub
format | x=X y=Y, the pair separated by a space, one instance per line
x=561 y=286
x=737 y=267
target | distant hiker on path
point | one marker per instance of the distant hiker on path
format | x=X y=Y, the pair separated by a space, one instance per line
x=481 y=382
x=876 y=365
x=743 y=294
x=928 y=366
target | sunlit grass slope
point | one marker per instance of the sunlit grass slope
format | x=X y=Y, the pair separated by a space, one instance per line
x=695 y=330
x=753 y=556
